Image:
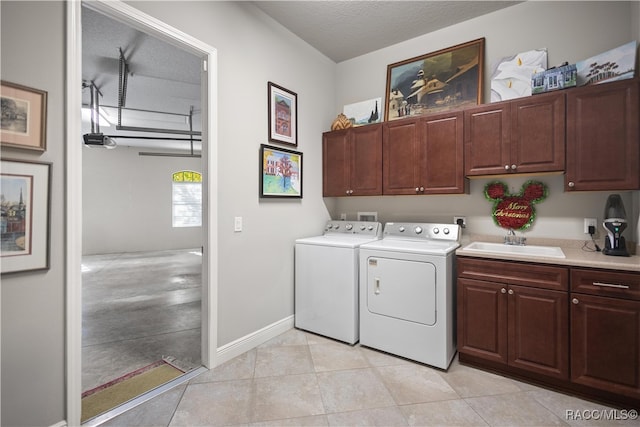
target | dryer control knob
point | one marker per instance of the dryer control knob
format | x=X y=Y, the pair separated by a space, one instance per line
x=336 y=226
x=370 y=227
x=349 y=226
x=446 y=231
x=436 y=230
x=401 y=229
x=418 y=230
x=362 y=227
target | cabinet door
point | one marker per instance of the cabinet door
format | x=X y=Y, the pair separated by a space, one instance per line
x=441 y=154
x=486 y=139
x=335 y=163
x=538 y=133
x=366 y=161
x=602 y=137
x=400 y=157
x=605 y=343
x=482 y=319
x=539 y=331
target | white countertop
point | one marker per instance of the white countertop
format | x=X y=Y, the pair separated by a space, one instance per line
x=575 y=255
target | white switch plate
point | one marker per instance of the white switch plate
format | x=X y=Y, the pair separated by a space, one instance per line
x=237 y=223
x=588 y=222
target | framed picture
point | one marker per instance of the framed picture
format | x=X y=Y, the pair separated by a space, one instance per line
x=24 y=224
x=283 y=115
x=365 y=112
x=24 y=117
x=438 y=81
x=280 y=172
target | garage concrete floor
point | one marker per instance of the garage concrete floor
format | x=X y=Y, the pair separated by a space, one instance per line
x=138 y=308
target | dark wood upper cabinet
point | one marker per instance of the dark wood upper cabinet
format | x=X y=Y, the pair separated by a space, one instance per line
x=352 y=162
x=525 y=135
x=424 y=155
x=602 y=137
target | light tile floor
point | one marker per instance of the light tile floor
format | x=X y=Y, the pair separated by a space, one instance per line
x=301 y=379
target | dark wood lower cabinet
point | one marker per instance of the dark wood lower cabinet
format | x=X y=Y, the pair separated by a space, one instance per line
x=605 y=343
x=569 y=328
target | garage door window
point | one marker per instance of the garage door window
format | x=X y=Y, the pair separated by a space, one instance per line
x=187 y=199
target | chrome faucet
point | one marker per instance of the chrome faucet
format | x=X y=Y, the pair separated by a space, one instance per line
x=512 y=239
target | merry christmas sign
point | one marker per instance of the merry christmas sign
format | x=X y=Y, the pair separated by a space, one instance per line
x=515 y=211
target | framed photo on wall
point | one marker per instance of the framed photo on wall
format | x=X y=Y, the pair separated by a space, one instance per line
x=438 y=81
x=283 y=115
x=280 y=172
x=24 y=117
x=24 y=225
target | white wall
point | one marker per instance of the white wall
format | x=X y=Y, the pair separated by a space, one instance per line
x=33 y=303
x=127 y=202
x=570 y=31
x=256 y=265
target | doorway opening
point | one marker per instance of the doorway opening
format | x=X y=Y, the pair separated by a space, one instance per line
x=129 y=317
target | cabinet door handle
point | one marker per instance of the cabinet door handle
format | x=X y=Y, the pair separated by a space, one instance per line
x=514 y=167
x=417 y=190
x=506 y=167
x=377 y=287
x=421 y=188
x=575 y=301
x=510 y=291
x=571 y=184
x=610 y=285
x=503 y=290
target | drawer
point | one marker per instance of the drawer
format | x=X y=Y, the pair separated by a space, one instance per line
x=514 y=273
x=606 y=283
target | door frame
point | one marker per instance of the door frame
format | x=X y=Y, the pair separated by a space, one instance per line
x=118 y=10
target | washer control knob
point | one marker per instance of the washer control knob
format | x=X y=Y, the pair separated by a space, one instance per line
x=349 y=227
x=336 y=226
x=446 y=231
x=370 y=227
x=436 y=230
x=418 y=230
x=401 y=229
x=362 y=227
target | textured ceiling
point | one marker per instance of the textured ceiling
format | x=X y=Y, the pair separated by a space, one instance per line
x=346 y=29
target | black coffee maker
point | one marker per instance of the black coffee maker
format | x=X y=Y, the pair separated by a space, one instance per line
x=615 y=221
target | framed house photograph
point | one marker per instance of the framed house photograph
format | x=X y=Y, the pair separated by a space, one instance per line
x=24 y=224
x=438 y=81
x=24 y=117
x=283 y=115
x=280 y=172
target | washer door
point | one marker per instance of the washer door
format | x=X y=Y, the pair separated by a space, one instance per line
x=402 y=289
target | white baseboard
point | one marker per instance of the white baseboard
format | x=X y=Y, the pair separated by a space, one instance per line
x=59 y=424
x=254 y=339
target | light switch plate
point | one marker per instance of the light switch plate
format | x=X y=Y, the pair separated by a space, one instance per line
x=237 y=223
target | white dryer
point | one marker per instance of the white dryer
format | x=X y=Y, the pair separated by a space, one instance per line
x=407 y=298
x=327 y=279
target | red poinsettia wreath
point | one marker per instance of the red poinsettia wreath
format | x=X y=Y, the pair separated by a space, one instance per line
x=515 y=211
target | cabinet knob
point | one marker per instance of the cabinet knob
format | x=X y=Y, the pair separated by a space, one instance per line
x=514 y=167
x=506 y=167
x=571 y=184
x=510 y=291
x=503 y=290
x=421 y=189
x=417 y=190
x=575 y=301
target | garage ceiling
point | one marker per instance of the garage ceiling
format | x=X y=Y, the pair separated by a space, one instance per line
x=167 y=79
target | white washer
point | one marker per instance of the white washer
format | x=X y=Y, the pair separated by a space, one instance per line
x=326 y=279
x=407 y=298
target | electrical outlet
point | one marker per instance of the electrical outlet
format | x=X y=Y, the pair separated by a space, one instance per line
x=590 y=222
x=456 y=220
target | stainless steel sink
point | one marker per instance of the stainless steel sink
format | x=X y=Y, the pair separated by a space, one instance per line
x=529 y=250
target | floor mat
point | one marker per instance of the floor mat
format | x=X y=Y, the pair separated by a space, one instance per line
x=114 y=393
